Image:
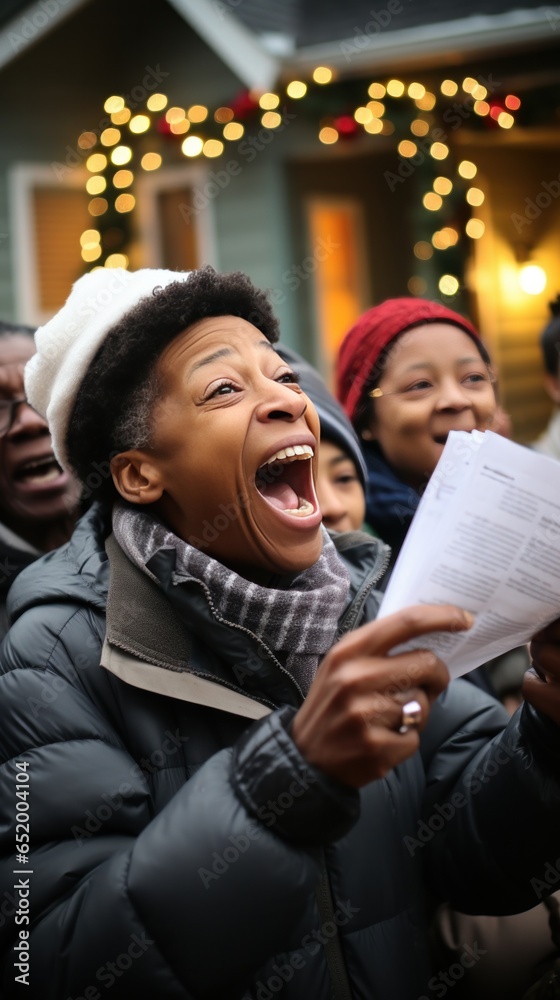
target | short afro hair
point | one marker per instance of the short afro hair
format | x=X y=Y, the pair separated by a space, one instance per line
x=116 y=398
x=550 y=340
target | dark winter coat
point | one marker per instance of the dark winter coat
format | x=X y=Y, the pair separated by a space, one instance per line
x=177 y=846
x=12 y=561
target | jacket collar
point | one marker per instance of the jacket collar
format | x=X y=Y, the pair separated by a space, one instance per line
x=196 y=657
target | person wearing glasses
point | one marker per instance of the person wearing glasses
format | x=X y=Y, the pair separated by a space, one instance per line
x=38 y=500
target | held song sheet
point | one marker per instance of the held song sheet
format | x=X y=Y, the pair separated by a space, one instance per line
x=486 y=537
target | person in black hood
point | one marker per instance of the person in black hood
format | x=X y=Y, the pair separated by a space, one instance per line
x=229 y=785
x=38 y=500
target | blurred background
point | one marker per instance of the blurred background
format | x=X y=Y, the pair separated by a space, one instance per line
x=338 y=152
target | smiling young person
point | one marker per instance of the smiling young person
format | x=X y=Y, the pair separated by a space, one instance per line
x=224 y=758
x=409 y=371
x=38 y=499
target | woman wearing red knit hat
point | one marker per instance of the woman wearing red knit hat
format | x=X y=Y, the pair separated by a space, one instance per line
x=409 y=371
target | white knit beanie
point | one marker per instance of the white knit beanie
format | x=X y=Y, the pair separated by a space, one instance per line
x=67 y=344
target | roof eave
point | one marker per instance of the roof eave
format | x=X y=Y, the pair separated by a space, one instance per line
x=435 y=44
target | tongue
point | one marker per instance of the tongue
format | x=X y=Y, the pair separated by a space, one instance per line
x=281 y=495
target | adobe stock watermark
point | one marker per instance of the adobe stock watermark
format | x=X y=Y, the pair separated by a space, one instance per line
x=112 y=802
x=30 y=25
x=553 y=17
x=379 y=21
x=225 y=8
x=442 y=814
x=240 y=843
x=218 y=180
x=549 y=880
x=535 y=206
x=108 y=974
x=439 y=984
x=138 y=94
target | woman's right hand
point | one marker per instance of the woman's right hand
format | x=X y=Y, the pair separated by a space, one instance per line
x=349 y=724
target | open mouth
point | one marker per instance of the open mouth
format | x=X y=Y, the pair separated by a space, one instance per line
x=286 y=483
x=440 y=438
x=38 y=471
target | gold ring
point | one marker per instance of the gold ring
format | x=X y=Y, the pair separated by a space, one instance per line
x=411 y=716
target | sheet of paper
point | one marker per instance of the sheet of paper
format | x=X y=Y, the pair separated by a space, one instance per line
x=486 y=537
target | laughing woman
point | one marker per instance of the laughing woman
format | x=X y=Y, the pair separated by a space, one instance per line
x=229 y=777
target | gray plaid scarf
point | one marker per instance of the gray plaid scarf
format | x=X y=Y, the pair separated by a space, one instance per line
x=298 y=623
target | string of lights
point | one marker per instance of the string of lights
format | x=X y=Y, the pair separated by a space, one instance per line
x=134 y=143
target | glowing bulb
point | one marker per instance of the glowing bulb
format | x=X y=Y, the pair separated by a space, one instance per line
x=442 y=185
x=377 y=108
x=123 y=178
x=174 y=114
x=328 y=135
x=416 y=90
x=512 y=102
x=139 y=124
x=110 y=136
x=481 y=108
x=374 y=127
x=475 y=228
x=98 y=206
x=96 y=184
x=150 y=161
x=505 y=119
x=449 y=88
x=407 y=148
x=432 y=201
x=532 y=279
x=448 y=284
x=427 y=102
x=467 y=169
x=469 y=83
x=96 y=162
x=419 y=127
x=121 y=117
x=271 y=119
x=269 y=101
x=192 y=146
x=296 y=89
x=475 y=196
x=125 y=202
x=197 y=113
x=120 y=155
x=376 y=90
x=156 y=102
x=233 y=130
x=322 y=74
x=212 y=148
x=117 y=260
x=87 y=140
x=395 y=88
x=113 y=104
x=91 y=253
x=90 y=238
x=223 y=115
x=179 y=128
x=363 y=115
x=439 y=150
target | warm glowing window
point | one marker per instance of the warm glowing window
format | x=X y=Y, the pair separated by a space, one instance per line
x=336 y=249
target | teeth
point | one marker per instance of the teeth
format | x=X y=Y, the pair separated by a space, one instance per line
x=303 y=510
x=299 y=452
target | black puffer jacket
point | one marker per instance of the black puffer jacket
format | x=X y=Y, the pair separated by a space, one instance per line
x=177 y=848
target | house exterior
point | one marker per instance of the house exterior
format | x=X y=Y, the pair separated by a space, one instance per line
x=328 y=156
